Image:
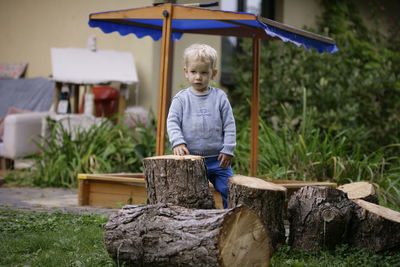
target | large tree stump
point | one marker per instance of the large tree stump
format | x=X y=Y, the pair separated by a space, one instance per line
x=360 y=190
x=265 y=198
x=375 y=227
x=170 y=235
x=180 y=180
x=319 y=217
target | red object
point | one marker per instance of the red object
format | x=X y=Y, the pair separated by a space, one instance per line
x=105 y=101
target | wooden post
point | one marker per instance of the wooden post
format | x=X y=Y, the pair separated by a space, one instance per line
x=165 y=77
x=255 y=103
x=57 y=89
x=169 y=235
x=121 y=108
x=181 y=180
x=265 y=198
x=84 y=190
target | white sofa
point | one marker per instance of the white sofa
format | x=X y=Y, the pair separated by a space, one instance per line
x=21 y=131
x=21 y=134
x=35 y=95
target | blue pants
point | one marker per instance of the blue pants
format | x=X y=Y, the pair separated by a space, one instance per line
x=219 y=178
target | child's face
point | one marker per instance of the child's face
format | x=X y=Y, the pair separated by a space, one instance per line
x=199 y=74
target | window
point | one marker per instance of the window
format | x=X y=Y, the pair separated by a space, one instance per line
x=231 y=45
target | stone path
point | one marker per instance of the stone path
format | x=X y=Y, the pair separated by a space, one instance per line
x=46 y=199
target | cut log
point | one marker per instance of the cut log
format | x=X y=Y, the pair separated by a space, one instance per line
x=180 y=180
x=360 y=190
x=265 y=198
x=170 y=235
x=375 y=227
x=319 y=217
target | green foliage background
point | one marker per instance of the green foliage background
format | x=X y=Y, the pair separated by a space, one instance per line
x=326 y=117
x=355 y=91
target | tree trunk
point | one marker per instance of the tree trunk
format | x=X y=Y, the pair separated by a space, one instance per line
x=265 y=198
x=180 y=180
x=360 y=190
x=170 y=235
x=319 y=217
x=375 y=227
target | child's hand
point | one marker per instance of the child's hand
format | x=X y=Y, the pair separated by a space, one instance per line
x=225 y=160
x=181 y=150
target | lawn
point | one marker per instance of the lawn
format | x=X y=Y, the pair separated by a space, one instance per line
x=55 y=239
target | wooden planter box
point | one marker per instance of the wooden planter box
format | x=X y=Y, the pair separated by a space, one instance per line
x=116 y=190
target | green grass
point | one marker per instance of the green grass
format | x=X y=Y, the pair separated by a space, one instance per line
x=342 y=256
x=57 y=239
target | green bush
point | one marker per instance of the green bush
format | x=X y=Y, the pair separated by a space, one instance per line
x=355 y=91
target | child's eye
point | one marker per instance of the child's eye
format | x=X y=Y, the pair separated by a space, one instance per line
x=192 y=72
x=204 y=73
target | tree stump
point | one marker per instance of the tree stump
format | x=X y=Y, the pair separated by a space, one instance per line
x=265 y=198
x=168 y=235
x=360 y=190
x=375 y=227
x=319 y=217
x=180 y=180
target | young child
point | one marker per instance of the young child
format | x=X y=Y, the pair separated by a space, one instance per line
x=200 y=119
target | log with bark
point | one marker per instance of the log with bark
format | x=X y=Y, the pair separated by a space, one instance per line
x=375 y=227
x=319 y=217
x=170 y=235
x=180 y=180
x=265 y=198
x=360 y=190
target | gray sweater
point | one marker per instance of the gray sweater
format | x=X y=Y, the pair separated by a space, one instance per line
x=205 y=123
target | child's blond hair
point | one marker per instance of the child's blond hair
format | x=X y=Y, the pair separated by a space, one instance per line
x=203 y=52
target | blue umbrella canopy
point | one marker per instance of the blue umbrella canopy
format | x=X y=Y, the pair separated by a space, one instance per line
x=148 y=21
x=169 y=22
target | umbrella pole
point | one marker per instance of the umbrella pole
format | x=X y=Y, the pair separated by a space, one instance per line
x=165 y=78
x=255 y=103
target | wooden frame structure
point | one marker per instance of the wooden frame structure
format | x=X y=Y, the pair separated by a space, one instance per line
x=170 y=12
x=115 y=189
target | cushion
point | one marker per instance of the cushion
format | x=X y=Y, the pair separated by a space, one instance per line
x=13 y=71
x=11 y=110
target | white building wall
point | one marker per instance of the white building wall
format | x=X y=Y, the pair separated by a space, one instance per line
x=30 y=28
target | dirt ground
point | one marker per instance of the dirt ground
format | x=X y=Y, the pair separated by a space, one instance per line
x=46 y=199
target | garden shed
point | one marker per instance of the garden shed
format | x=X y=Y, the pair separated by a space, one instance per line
x=169 y=22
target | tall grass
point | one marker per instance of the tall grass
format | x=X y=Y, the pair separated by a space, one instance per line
x=305 y=153
x=103 y=148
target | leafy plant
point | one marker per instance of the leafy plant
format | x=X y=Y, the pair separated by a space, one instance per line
x=103 y=148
